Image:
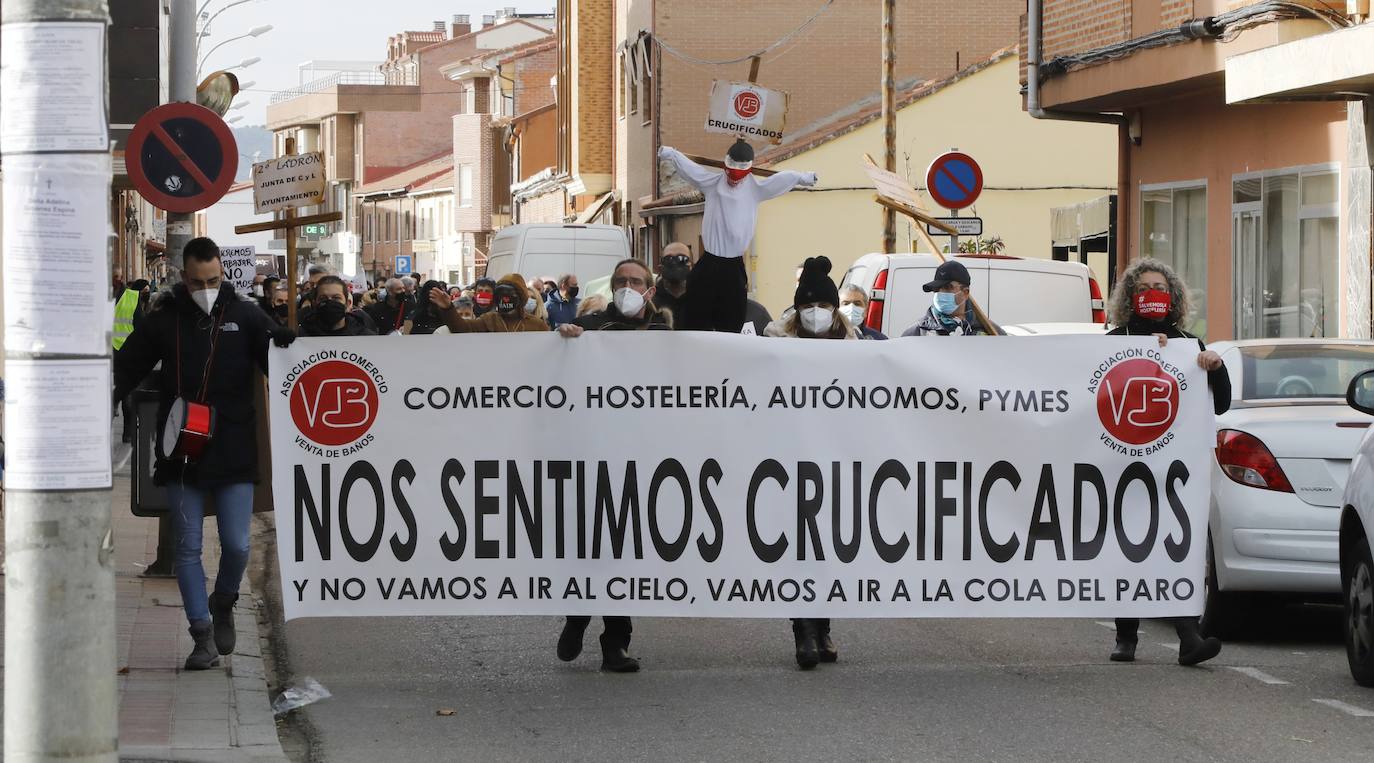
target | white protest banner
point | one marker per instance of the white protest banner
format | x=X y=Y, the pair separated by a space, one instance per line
x=288 y=182
x=719 y=475
x=240 y=266
x=743 y=108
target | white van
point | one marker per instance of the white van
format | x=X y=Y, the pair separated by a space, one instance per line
x=551 y=249
x=1011 y=290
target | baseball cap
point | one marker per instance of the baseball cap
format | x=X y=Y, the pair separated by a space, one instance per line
x=948 y=271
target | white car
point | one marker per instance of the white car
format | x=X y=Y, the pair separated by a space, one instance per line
x=1282 y=458
x=1357 y=524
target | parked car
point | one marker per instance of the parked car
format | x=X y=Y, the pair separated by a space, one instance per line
x=1010 y=290
x=1357 y=522
x=1281 y=463
x=539 y=249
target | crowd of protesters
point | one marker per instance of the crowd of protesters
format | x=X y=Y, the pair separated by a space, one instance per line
x=201 y=323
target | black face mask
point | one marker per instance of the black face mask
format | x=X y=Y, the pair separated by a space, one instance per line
x=507 y=300
x=280 y=310
x=572 y=292
x=330 y=312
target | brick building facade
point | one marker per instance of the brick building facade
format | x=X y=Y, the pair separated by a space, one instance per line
x=1247 y=195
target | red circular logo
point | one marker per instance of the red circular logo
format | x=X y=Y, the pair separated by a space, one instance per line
x=1137 y=401
x=334 y=403
x=747 y=104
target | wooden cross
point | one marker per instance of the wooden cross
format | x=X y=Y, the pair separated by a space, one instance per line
x=290 y=223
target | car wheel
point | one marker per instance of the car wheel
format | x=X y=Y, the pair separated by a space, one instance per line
x=1359 y=616
x=1222 y=611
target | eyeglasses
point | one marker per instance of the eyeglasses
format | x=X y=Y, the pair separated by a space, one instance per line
x=620 y=282
x=677 y=259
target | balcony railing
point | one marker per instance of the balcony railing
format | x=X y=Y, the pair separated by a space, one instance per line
x=345 y=78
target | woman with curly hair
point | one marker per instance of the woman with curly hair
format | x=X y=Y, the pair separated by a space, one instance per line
x=1151 y=300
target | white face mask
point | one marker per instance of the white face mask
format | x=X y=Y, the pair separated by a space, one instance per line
x=629 y=302
x=205 y=299
x=257 y=290
x=854 y=313
x=817 y=320
x=529 y=306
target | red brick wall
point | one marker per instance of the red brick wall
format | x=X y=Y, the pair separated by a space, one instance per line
x=1073 y=26
x=1175 y=12
x=533 y=75
x=548 y=208
x=472 y=145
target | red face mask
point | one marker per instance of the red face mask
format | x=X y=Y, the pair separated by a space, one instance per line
x=1153 y=305
x=734 y=176
x=482 y=298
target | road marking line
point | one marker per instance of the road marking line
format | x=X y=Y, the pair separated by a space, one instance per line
x=123 y=462
x=1258 y=675
x=1358 y=712
x=1170 y=647
x=1106 y=624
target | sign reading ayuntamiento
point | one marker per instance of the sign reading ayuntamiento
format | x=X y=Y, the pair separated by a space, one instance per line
x=728 y=476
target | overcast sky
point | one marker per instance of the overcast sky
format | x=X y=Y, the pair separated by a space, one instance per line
x=323 y=29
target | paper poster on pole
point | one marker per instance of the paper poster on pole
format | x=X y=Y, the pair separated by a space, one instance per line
x=240 y=266
x=54 y=85
x=57 y=415
x=1078 y=489
x=744 y=108
x=57 y=230
x=288 y=182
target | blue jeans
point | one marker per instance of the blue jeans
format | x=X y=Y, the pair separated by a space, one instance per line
x=234 y=510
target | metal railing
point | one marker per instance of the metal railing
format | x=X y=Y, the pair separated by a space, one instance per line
x=345 y=78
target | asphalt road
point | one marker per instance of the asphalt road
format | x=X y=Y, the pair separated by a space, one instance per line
x=1014 y=690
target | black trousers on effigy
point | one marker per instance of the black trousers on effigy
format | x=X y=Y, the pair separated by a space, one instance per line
x=717 y=294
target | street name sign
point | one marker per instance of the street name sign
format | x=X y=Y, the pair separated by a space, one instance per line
x=964 y=226
x=181 y=157
x=745 y=109
x=288 y=182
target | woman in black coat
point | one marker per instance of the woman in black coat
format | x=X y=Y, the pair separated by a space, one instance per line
x=1151 y=300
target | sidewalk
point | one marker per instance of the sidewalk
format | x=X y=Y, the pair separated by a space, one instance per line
x=165 y=713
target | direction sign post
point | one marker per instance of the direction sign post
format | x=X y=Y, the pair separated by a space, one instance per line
x=954 y=180
x=289 y=223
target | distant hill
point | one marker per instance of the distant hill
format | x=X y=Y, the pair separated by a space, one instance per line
x=252 y=139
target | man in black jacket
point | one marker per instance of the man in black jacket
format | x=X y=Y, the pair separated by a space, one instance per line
x=631 y=309
x=1151 y=300
x=331 y=315
x=208 y=341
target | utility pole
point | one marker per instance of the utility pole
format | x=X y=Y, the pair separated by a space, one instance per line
x=180 y=225
x=889 y=116
x=60 y=698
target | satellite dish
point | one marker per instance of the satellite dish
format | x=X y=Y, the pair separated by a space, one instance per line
x=217 y=92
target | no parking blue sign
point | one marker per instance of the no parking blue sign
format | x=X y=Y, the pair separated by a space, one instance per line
x=954 y=180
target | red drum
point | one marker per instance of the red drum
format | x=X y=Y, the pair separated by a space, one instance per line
x=188 y=430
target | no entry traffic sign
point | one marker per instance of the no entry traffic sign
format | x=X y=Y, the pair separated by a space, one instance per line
x=954 y=180
x=182 y=157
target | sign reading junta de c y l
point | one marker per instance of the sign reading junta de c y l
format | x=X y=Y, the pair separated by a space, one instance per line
x=288 y=182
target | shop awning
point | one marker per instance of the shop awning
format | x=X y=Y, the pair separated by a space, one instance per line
x=594 y=211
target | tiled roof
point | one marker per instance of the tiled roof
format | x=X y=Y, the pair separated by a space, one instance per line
x=408 y=177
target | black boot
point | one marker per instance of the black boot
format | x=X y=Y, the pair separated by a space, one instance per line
x=570 y=640
x=1124 y=651
x=222 y=612
x=808 y=652
x=203 y=656
x=1192 y=647
x=614 y=657
x=826 y=647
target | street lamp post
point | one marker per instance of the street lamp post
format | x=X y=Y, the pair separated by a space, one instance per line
x=256 y=31
x=200 y=34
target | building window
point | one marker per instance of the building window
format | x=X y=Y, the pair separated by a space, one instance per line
x=407 y=232
x=368 y=233
x=632 y=85
x=646 y=96
x=1173 y=229
x=465 y=185
x=1285 y=246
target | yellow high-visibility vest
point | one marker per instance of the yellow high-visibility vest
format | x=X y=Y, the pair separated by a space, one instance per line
x=124 y=317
